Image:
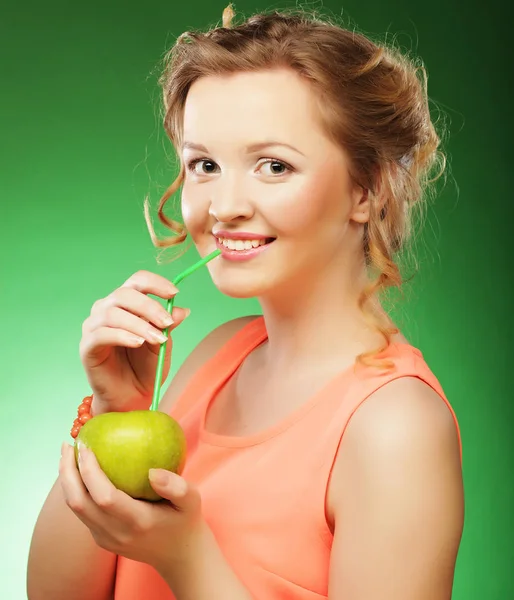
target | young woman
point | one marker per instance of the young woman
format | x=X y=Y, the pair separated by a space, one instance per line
x=324 y=460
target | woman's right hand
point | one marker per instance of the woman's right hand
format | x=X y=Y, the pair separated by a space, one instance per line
x=121 y=340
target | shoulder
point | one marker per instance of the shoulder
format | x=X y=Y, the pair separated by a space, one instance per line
x=403 y=425
x=205 y=350
x=404 y=414
x=398 y=475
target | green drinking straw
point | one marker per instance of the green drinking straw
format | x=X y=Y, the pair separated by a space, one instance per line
x=169 y=308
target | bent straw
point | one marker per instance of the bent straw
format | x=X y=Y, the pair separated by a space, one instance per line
x=169 y=308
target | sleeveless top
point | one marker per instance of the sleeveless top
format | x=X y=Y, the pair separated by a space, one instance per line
x=263 y=495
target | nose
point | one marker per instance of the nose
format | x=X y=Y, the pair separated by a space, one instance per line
x=230 y=201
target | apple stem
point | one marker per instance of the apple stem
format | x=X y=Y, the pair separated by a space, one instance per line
x=169 y=307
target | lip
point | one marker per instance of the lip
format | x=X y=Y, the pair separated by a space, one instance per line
x=241 y=255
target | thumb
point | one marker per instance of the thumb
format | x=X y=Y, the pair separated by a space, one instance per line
x=179 y=314
x=184 y=496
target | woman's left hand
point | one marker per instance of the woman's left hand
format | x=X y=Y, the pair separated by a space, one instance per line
x=157 y=533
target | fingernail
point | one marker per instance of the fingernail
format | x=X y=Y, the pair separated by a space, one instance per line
x=167 y=320
x=82 y=452
x=157 y=337
x=188 y=312
x=158 y=476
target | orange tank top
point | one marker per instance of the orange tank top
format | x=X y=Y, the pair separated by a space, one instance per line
x=264 y=495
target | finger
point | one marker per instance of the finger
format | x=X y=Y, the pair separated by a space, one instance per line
x=75 y=492
x=136 y=303
x=150 y=283
x=118 y=318
x=125 y=330
x=95 y=347
x=176 y=489
x=102 y=491
x=179 y=315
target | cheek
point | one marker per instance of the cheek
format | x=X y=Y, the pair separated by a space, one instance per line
x=194 y=211
x=315 y=201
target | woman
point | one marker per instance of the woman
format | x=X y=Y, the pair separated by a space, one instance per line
x=324 y=459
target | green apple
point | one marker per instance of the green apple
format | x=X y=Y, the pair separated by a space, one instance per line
x=128 y=444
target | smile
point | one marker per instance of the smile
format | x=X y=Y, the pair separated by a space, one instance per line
x=240 y=244
x=242 y=249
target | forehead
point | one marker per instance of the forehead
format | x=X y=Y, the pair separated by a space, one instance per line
x=265 y=104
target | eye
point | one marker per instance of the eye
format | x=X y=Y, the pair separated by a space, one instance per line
x=276 y=167
x=205 y=166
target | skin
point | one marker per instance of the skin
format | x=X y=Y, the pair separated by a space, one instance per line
x=395 y=500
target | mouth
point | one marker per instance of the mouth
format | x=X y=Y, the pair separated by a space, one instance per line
x=242 y=249
x=239 y=245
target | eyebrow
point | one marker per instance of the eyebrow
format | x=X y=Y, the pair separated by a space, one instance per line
x=249 y=149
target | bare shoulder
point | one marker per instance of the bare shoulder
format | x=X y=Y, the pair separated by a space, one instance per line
x=406 y=413
x=398 y=474
x=205 y=350
x=402 y=423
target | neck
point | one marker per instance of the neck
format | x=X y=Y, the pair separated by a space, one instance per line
x=312 y=323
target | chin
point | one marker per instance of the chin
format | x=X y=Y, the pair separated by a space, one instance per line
x=238 y=291
x=239 y=294
x=240 y=286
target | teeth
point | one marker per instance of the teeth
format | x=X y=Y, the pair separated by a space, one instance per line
x=241 y=244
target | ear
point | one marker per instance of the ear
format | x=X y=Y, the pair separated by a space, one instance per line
x=363 y=197
x=361 y=205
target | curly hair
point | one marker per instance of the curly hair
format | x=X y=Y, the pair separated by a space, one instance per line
x=372 y=100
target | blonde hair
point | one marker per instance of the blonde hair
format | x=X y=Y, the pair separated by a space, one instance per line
x=374 y=104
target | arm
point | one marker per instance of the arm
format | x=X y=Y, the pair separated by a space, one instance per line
x=64 y=560
x=396 y=498
x=63 y=554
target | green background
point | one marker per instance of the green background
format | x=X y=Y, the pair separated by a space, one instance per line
x=82 y=144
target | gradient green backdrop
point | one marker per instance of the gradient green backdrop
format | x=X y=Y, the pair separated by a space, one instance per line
x=81 y=145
